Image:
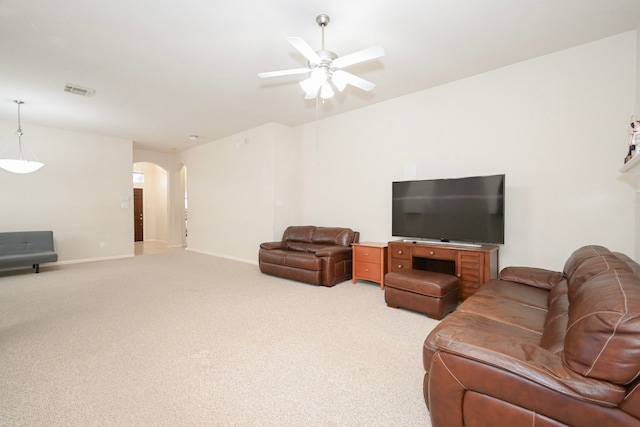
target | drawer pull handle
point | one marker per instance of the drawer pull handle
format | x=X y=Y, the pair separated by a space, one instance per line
x=399 y=265
x=366 y=269
x=399 y=252
x=430 y=252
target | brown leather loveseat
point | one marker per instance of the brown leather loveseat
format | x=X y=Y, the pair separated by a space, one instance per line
x=316 y=255
x=541 y=348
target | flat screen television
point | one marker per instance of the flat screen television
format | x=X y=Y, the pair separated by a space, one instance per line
x=469 y=209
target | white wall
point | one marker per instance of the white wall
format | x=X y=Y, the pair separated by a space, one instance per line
x=636 y=110
x=287 y=180
x=232 y=192
x=637 y=98
x=556 y=125
x=78 y=193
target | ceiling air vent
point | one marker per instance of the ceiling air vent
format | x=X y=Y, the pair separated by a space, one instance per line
x=82 y=91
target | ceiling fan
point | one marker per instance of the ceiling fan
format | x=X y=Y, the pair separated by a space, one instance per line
x=325 y=67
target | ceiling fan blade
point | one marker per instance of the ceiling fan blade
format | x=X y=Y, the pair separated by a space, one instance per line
x=359 y=56
x=283 y=72
x=306 y=50
x=353 y=80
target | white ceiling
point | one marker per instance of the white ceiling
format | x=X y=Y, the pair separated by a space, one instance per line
x=163 y=70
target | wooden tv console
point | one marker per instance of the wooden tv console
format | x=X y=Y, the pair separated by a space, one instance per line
x=473 y=265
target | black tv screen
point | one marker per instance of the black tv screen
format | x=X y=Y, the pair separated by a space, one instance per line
x=467 y=209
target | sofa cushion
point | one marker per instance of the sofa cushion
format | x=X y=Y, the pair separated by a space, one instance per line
x=516 y=292
x=298 y=233
x=274 y=256
x=19 y=260
x=523 y=316
x=581 y=254
x=294 y=259
x=603 y=333
x=303 y=260
x=298 y=246
x=588 y=262
x=593 y=267
x=335 y=236
x=314 y=247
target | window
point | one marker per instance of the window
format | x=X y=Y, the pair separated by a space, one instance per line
x=138 y=178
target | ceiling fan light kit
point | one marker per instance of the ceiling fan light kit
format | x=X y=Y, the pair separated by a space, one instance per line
x=20 y=165
x=325 y=67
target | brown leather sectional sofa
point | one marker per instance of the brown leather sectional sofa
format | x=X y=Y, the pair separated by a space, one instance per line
x=541 y=348
x=316 y=255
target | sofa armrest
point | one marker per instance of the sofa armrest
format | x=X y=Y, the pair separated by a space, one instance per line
x=538 y=277
x=526 y=360
x=465 y=392
x=273 y=245
x=331 y=251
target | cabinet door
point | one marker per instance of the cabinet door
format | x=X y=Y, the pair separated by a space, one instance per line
x=470 y=271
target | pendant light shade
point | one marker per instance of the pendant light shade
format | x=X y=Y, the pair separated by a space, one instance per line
x=20 y=165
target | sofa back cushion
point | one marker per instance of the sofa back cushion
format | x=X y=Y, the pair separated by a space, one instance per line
x=25 y=242
x=581 y=254
x=308 y=238
x=603 y=333
x=588 y=262
x=298 y=233
x=332 y=236
x=631 y=263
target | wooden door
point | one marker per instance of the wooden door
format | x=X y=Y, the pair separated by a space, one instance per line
x=138 y=218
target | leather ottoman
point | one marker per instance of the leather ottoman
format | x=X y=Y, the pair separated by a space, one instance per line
x=427 y=292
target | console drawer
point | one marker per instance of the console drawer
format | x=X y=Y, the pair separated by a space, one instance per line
x=398 y=264
x=400 y=251
x=434 y=253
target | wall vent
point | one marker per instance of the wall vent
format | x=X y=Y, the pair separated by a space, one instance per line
x=82 y=91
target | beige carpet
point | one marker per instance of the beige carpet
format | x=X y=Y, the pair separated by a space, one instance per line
x=185 y=339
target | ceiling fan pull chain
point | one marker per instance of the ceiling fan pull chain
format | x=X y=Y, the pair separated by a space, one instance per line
x=317 y=118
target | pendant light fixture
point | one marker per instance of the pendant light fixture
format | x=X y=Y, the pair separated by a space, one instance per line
x=20 y=165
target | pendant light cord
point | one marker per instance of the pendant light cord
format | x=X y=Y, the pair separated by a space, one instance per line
x=317 y=118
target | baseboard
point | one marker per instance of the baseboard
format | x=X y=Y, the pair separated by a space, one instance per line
x=67 y=262
x=247 y=261
x=81 y=261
